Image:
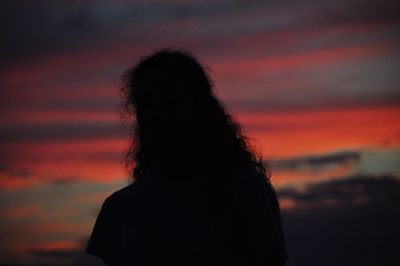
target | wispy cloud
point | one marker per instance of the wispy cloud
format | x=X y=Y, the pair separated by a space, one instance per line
x=350 y=191
x=317 y=161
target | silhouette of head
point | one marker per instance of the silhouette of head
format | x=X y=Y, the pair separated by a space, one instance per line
x=180 y=124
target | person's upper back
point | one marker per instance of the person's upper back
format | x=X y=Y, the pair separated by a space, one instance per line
x=156 y=221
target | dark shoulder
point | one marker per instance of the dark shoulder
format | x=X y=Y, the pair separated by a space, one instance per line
x=249 y=181
x=122 y=196
x=249 y=177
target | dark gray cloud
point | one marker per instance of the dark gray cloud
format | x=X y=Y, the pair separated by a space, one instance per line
x=62 y=131
x=7 y=170
x=46 y=27
x=282 y=102
x=345 y=233
x=52 y=105
x=346 y=192
x=34 y=28
x=317 y=161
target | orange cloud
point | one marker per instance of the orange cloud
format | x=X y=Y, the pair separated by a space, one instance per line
x=287 y=134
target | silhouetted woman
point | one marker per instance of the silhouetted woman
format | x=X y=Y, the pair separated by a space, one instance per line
x=199 y=195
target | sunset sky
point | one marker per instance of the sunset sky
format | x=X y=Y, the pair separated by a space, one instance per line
x=315 y=84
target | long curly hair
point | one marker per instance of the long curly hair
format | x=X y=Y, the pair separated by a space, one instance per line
x=177 y=123
x=180 y=129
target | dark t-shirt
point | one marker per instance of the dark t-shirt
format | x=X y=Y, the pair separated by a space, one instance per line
x=156 y=221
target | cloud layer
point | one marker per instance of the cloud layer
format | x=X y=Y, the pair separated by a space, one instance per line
x=315 y=84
